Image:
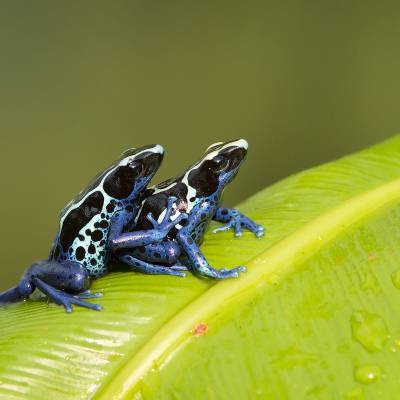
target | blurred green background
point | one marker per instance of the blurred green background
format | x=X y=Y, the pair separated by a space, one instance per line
x=304 y=81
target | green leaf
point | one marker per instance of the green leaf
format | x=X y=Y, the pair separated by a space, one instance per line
x=315 y=317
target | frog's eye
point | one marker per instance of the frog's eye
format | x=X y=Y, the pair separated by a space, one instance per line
x=137 y=167
x=220 y=164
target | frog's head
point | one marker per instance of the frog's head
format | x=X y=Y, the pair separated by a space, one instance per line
x=218 y=166
x=129 y=175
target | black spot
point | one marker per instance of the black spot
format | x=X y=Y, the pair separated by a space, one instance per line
x=92 y=249
x=78 y=217
x=119 y=184
x=93 y=261
x=192 y=199
x=97 y=235
x=81 y=238
x=129 y=208
x=190 y=240
x=224 y=212
x=96 y=225
x=85 y=263
x=184 y=222
x=102 y=243
x=102 y=254
x=88 y=232
x=110 y=207
x=203 y=216
x=157 y=255
x=103 y=215
x=80 y=253
x=203 y=179
x=103 y=224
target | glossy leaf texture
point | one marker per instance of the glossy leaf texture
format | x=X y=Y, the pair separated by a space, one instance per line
x=315 y=317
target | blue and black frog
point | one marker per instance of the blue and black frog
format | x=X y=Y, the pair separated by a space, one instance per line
x=81 y=249
x=196 y=193
x=155 y=231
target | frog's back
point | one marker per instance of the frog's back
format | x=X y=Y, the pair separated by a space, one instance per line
x=83 y=232
x=85 y=221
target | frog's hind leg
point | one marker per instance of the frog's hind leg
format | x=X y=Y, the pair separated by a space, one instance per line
x=61 y=282
x=166 y=252
x=147 y=268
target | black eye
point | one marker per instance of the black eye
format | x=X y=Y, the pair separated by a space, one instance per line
x=220 y=163
x=136 y=167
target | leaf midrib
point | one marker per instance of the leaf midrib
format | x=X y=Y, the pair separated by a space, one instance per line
x=267 y=267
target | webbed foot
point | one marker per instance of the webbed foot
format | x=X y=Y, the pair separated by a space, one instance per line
x=239 y=221
x=65 y=299
x=225 y=273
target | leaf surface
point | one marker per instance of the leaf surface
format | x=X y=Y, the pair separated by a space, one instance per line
x=315 y=316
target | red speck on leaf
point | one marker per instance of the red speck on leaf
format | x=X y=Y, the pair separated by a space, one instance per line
x=200 y=329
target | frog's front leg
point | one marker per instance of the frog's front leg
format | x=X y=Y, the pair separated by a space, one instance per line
x=132 y=247
x=61 y=282
x=236 y=220
x=198 y=262
x=119 y=240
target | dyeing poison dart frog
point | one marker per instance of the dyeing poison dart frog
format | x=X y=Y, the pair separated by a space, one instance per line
x=198 y=191
x=81 y=249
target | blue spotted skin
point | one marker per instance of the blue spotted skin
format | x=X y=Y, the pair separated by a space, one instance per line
x=198 y=191
x=96 y=217
x=85 y=222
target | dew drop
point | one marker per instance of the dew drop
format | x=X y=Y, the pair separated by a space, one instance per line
x=369 y=330
x=367 y=373
x=396 y=279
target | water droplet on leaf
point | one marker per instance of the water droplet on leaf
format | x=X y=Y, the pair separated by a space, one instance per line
x=367 y=373
x=369 y=330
